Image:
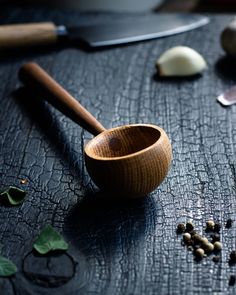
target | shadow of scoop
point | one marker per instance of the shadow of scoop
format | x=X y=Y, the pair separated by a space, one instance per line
x=51 y=129
x=101 y=225
x=226 y=68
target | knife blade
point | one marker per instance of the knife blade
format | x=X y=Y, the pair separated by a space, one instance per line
x=149 y=27
x=139 y=28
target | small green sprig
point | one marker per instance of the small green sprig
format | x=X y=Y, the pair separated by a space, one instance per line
x=7 y=268
x=14 y=195
x=49 y=240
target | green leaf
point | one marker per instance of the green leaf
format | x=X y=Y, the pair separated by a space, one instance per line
x=49 y=240
x=14 y=195
x=7 y=268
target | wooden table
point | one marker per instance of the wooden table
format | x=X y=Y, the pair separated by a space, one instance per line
x=117 y=247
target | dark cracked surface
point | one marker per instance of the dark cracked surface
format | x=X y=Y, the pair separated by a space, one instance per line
x=117 y=247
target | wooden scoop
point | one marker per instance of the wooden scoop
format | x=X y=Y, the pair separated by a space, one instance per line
x=128 y=161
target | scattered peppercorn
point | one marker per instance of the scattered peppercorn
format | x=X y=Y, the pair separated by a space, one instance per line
x=204 y=241
x=189 y=226
x=190 y=243
x=217 y=227
x=197 y=238
x=215 y=238
x=217 y=246
x=210 y=224
x=209 y=247
x=200 y=245
x=232 y=280
x=180 y=228
x=216 y=259
x=193 y=233
x=229 y=223
x=200 y=253
x=186 y=237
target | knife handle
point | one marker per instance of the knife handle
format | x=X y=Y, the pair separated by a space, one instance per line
x=23 y=35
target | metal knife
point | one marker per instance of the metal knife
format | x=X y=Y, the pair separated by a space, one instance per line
x=139 y=28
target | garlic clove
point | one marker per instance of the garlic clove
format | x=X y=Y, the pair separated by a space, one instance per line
x=180 y=61
x=228 y=39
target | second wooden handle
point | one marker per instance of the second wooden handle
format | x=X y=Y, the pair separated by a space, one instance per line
x=21 y=35
x=33 y=76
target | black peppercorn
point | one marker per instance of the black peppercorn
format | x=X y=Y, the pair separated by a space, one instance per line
x=232 y=280
x=216 y=259
x=229 y=223
x=189 y=227
x=217 y=227
x=197 y=239
x=215 y=238
x=193 y=233
x=190 y=243
x=180 y=228
x=232 y=257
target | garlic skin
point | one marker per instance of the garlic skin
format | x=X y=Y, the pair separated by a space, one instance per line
x=180 y=61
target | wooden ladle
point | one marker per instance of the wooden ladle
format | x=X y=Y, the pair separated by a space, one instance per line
x=128 y=161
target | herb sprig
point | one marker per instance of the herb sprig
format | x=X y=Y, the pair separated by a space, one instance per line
x=7 y=268
x=49 y=240
x=14 y=195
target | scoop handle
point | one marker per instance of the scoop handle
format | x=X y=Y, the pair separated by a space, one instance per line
x=33 y=76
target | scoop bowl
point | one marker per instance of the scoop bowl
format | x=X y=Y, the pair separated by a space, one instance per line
x=129 y=161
